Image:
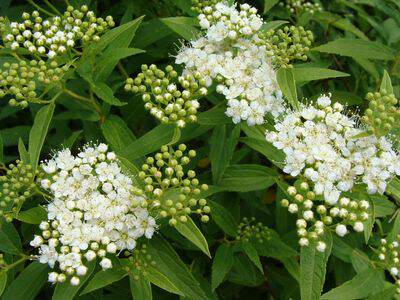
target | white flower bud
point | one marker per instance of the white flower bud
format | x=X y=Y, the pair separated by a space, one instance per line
x=75 y=281
x=81 y=270
x=358 y=226
x=293 y=208
x=53 y=277
x=341 y=230
x=321 y=246
x=106 y=263
x=304 y=242
x=111 y=248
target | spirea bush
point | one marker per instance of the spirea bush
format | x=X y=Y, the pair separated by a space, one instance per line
x=199 y=149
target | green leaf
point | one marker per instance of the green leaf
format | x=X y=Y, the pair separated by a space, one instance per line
x=268 y=4
x=360 y=287
x=151 y=141
x=1 y=149
x=117 y=133
x=84 y=114
x=313 y=269
x=244 y=273
x=221 y=150
x=9 y=238
x=110 y=58
x=171 y=267
x=105 y=93
x=103 y=278
x=66 y=291
x=222 y=263
x=252 y=254
x=287 y=84
x=38 y=133
x=386 y=83
x=3 y=281
x=140 y=286
x=23 y=153
x=275 y=247
x=70 y=141
x=357 y=48
x=306 y=74
x=223 y=218
x=383 y=206
x=190 y=231
x=184 y=26
x=214 y=116
x=162 y=281
x=28 y=283
x=33 y=215
x=245 y=178
x=369 y=223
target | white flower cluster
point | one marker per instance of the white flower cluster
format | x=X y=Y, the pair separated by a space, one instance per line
x=232 y=54
x=94 y=212
x=325 y=145
x=55 y=35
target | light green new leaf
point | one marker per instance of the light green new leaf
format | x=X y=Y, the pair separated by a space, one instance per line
x=184 y=26
x=3 y=281
x=190 y=231
x=306 y=74
x=9 y=238
x=103 y=278
x=28 y=283
x=359 y=287
x=172 y=268
x=313 y=269
x=66 y=291
x=33 y=215
x=140 y=286
x=222 y=263
x=287 y=84
x=223 y=218
x=38 y=133
x=245 y=178
x=105 y=93
x=386 y=83
x=357 y=48
x=23 y=153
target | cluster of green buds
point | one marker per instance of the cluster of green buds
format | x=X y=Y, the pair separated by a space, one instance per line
x=287 y=44
x=199 y=5
x=315 y=215
x=20 y=79
x=17 y=185
x=250 y=230
x=168 y=97
x=299 y=6
x=174 y=192
x=138 y=261
x=382 y=114
x=388 y=254
x=54 y=36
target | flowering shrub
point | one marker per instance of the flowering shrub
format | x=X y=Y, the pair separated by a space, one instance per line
x=196 y=149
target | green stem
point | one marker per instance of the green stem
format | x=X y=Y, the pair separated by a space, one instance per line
x=90 y=101
x=122 y=69
x=19 y=261
x=41 y=9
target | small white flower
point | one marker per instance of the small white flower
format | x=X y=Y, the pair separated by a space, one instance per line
x=105 y=263
x=321 y=246
x=341 y=230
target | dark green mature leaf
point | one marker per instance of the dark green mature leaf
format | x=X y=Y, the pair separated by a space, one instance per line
x=383 y=206
x=268 y=4
x=313 y=269
x=38 y=133
x=221 y=150
x=244 y=178
x=9 y=238
x=252 y=254
x=357 y=48
x=171 y=267
x=183 y=26
x=276 y=156
x=66 y=291
x=28 y=283
x=140 y=286
x=306 y=74
x=151 y=141
x=287 y=83
x=105 y=93
x=223 y=218
x=360 y=287
x=157 y=278
x=117 y=133
x=190 y=231
x=244 y=272
x=275 y=247
x=104 y=278
x=222 y=263
x=214 y=116
x=3 y=281
x=34 y=215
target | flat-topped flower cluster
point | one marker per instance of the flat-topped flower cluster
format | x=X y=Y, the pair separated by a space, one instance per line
x=325 y=145
x=231 y=54
x=95 y=211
